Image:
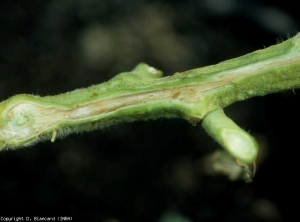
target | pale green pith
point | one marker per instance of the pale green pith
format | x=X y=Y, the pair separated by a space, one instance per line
x=142 y=94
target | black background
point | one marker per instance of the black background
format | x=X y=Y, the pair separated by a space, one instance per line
x=139 y=171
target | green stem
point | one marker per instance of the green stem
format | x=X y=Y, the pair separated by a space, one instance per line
x=141 y=94
x=230 y=136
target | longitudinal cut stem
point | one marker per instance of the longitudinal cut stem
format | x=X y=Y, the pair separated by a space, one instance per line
x=142 y=94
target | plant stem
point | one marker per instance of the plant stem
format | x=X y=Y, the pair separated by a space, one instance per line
x=141 y=94
x=234 y=139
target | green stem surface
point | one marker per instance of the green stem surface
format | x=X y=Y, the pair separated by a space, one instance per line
x=143 y=94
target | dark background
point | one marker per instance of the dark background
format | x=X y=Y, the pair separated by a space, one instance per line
x=143 y=170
